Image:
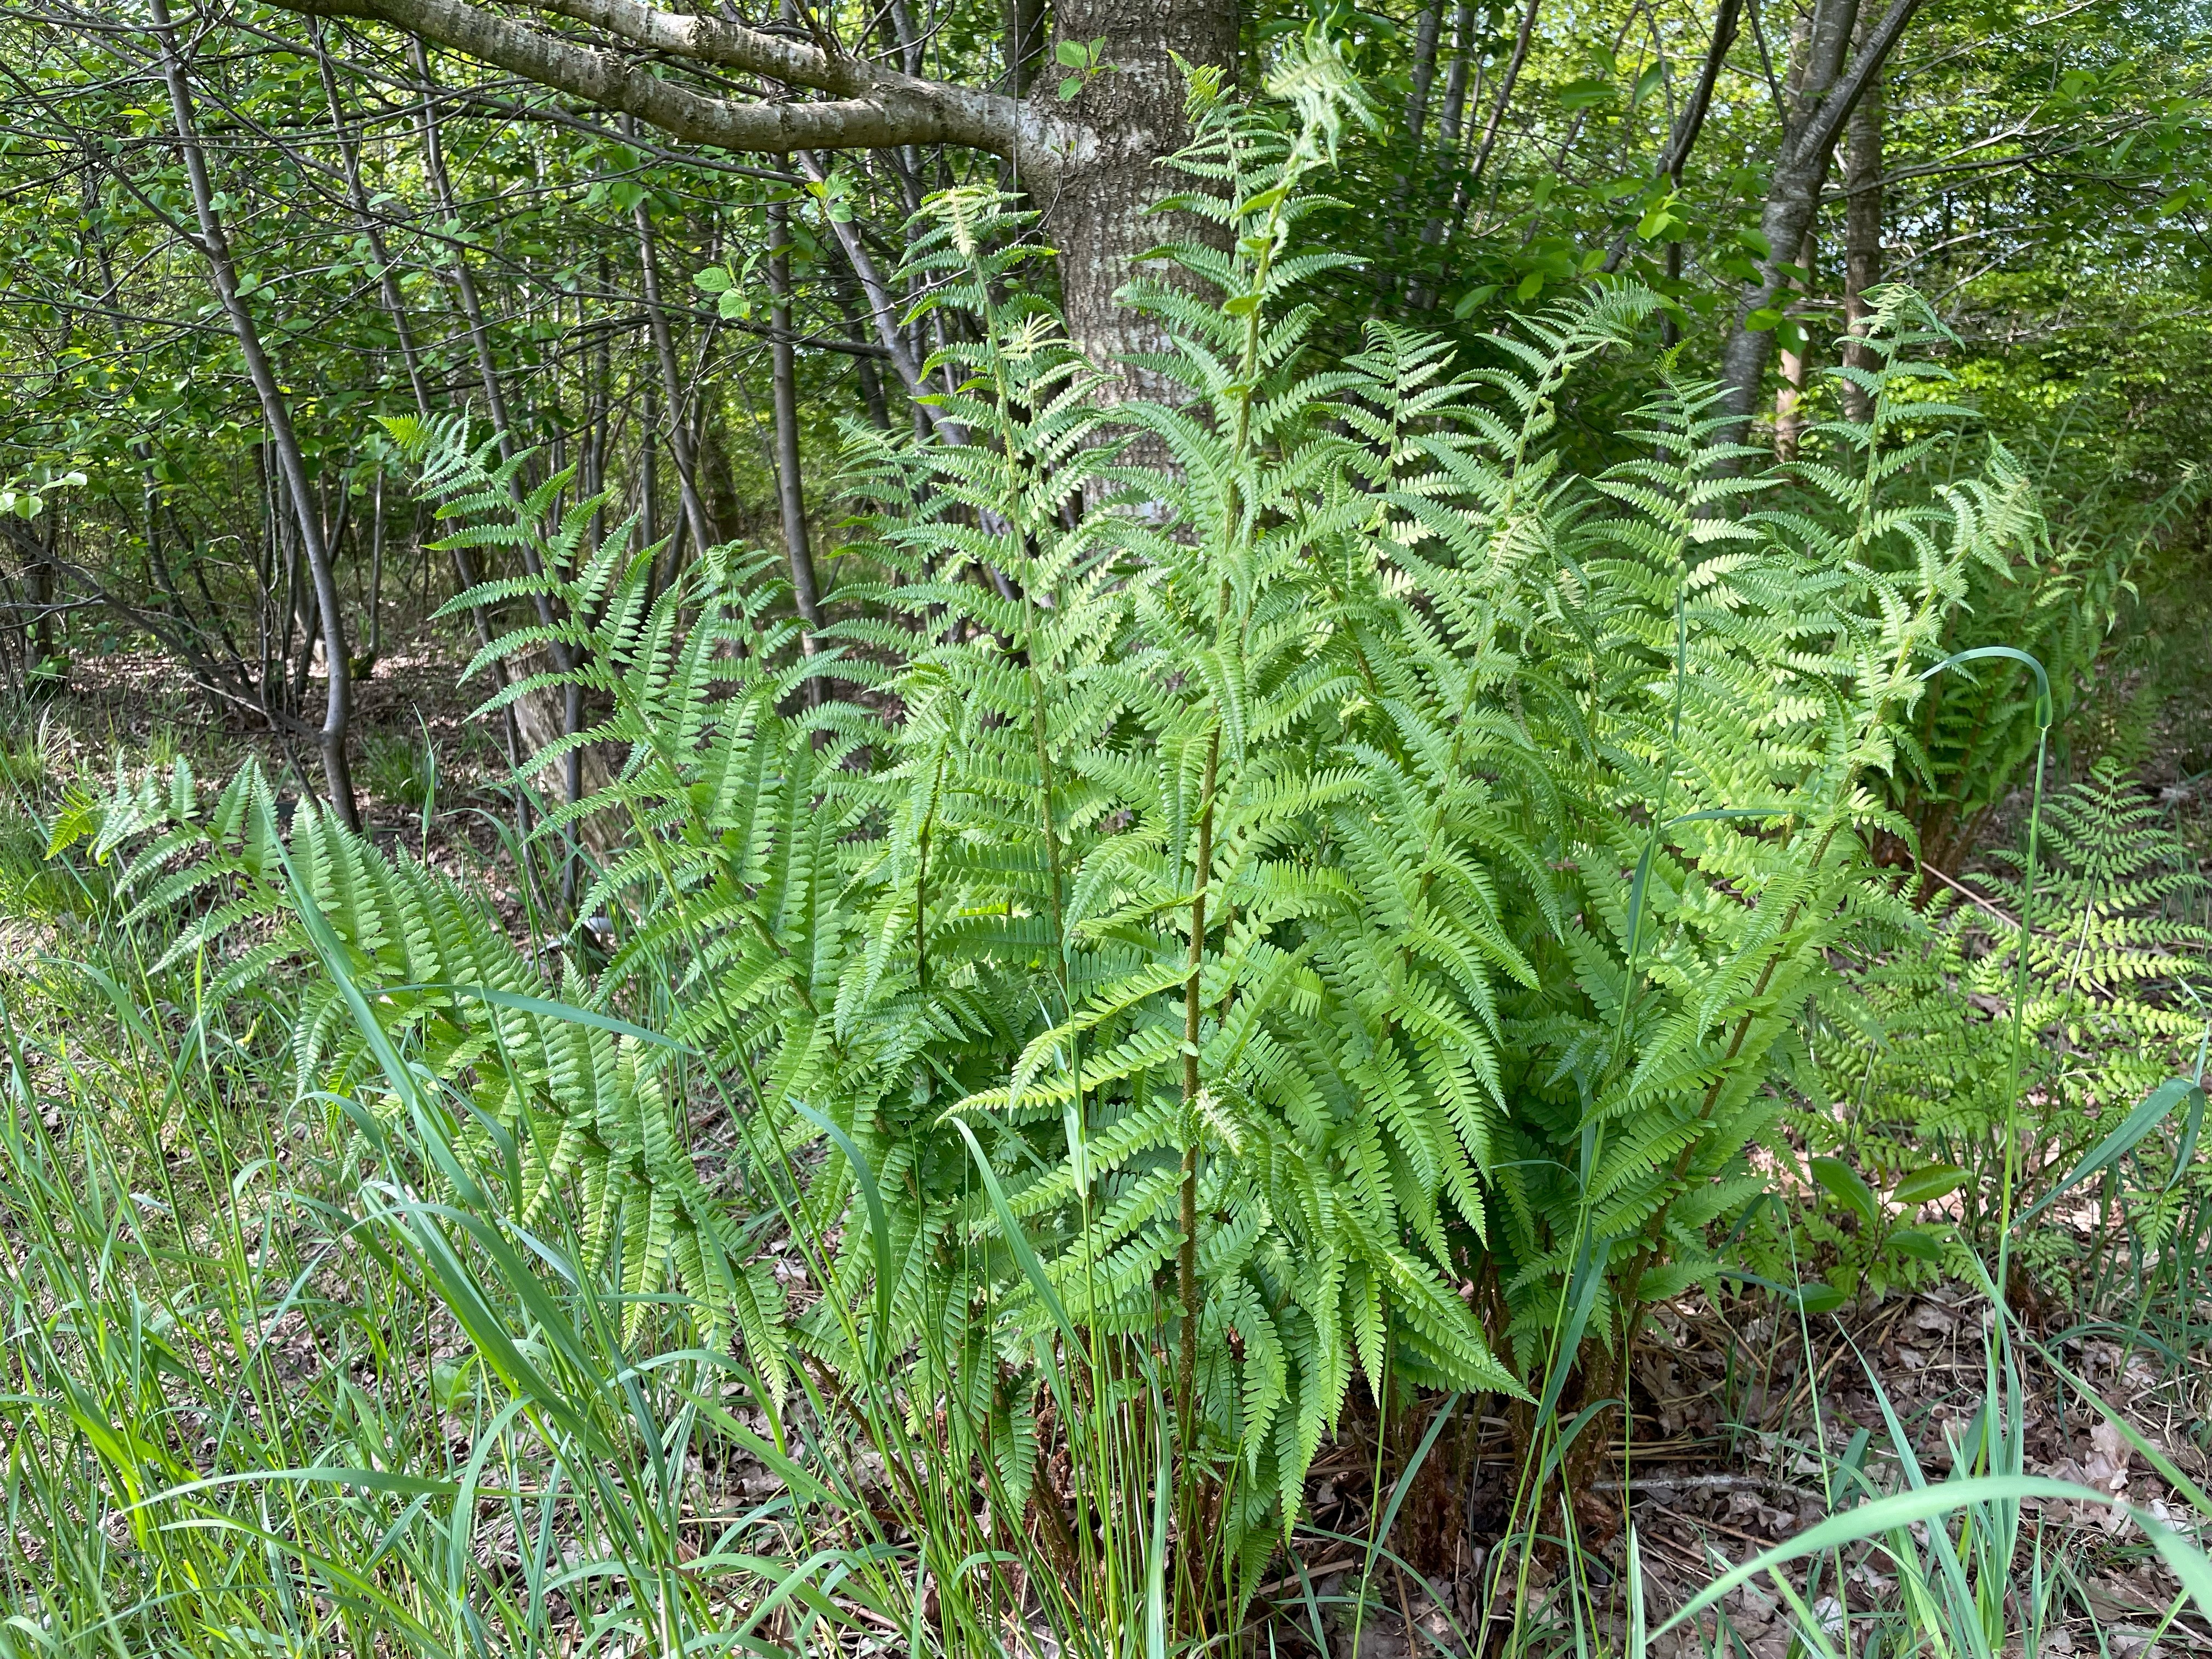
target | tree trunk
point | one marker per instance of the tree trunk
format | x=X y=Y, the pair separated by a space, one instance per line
x=1425 y=70
x=1862 y=213
x=464 y=289
x=1449 y=121
x=388 y=274
x=1134 y=112
x=395 y=310
x=338 y=708
x=1455 y=106
x=1092 y=158
x=1815 y=121
x=375 y=582
x=790 y=489
x=43 y=652
x=464 y=280
x=671 y=386
x=1505 y=99
x=1796 y=366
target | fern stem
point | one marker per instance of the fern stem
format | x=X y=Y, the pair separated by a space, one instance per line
x=1044 y=811
x=1187 y=1264
x=922 y=874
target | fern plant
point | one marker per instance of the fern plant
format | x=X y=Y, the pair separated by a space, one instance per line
x=2063 y=598
x=579 y=1103
x=1318 y=891
x=2116 y=994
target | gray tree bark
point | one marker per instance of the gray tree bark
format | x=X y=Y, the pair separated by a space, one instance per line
x=1133 y=116
x=1504 y=98
x=1425 y=70
x=790 y=488
x=671 y=387
x=1796 y=369
x=1813 y=122
x=464 y=290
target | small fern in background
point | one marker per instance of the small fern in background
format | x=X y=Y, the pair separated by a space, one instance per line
x=579 y=1104
x=2063 y=598
x=2118 y=993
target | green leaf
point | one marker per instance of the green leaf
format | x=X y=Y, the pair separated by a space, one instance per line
x=1926 y=1184
x=545 y=1007
x=714 y=279
x=2154 y=1109
x=451 y=1383
x=2183 y=1559
x=2009 y=654
x=1472 y=300
x=1847 y=1186
x=1920 y=1243
x=1072 y=54
x=1762 y=319
x=1885 y=1515
x=1069 y=86
x=1018 y=1241
x=1815 y=1297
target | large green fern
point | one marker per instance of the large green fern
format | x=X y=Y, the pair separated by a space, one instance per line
x=1351 y=883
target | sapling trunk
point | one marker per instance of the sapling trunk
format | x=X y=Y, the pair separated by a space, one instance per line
x=790 y=489
x=1505 y=99
x=1796 y=369
x=1863 y=217
x=671 y=387
x=1425 y=70
x=215 y=247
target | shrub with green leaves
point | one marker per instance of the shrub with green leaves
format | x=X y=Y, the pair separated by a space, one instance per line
x=1301 y=885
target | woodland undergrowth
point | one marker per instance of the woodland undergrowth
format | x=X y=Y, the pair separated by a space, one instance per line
x=1279 y=902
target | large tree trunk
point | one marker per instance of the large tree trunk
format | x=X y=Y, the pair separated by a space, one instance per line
x=1134 y=113
x=1092 y=160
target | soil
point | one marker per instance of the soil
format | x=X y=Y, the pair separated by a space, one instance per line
x=1725 y=1461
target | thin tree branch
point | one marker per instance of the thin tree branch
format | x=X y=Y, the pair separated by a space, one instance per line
x=870 y=107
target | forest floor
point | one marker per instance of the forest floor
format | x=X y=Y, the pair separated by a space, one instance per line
x=1725 y=1462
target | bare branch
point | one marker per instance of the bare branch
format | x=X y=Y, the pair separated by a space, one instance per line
x=871 y=108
